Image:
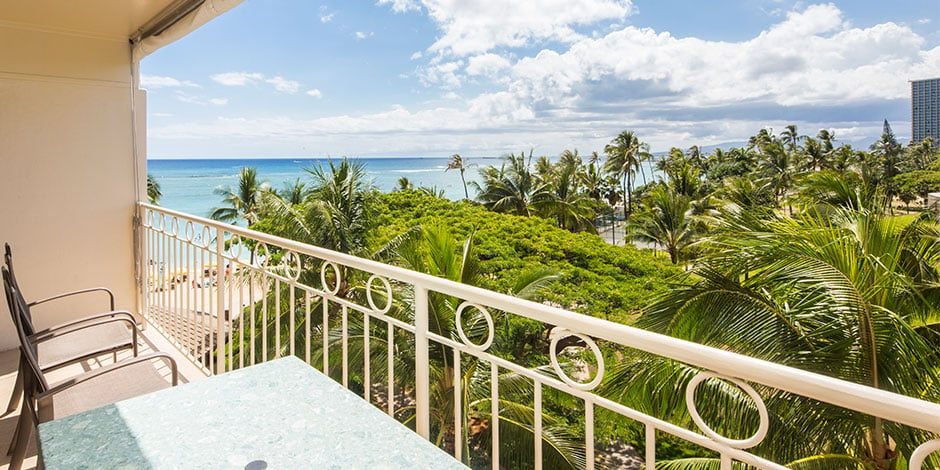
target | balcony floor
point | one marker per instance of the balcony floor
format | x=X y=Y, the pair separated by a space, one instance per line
x=151 y=341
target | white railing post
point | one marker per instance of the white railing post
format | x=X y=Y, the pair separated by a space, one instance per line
x=220 y=300
x=422 y=365
x=144 y=258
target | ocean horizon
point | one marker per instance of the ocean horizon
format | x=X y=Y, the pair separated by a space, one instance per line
x=187 y=183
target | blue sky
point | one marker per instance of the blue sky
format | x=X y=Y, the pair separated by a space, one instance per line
x=291 y=78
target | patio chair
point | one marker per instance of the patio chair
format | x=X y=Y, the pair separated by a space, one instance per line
x=93 y=389
x=74 y=341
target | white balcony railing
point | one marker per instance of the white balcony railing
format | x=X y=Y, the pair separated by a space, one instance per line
x=215 y=291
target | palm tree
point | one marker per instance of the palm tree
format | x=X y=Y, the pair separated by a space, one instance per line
x=623 y=158
x=242 y=202
x=827 y=138
x=512 y=188
x=294 y=192
x=432 y=191
x=592 y=181
x=815 y=155
x=850 y=294
x=570 y=162
x=921 y=154
x=336 y=215
x=570 y=208
x=778 y=167
x=684 y=179
x=829 y=190
x=433 y=250
x=761 y=139
x=747 y=195
x=791 y=138
x=594 y=158
x=694 y=155
x=664 y=219
x=153 y=190
x=544 y=169
x=404 y=184
x=340 y=205
x=456 y=163
x=844 y=158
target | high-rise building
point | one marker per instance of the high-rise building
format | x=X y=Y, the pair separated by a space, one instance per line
x=925 y=110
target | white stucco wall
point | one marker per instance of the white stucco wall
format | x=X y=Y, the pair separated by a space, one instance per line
x=67 y=182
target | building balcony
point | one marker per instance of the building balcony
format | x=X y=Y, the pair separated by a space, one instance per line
x=222 y=297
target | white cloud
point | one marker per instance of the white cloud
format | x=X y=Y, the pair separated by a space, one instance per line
x=192 y=99
x=417 y=55
x=924 y=20
x=487 y=64
x=363 y=35
x=326 y=18
x=400 y=6
x=279 y=83
x=482 y=25
x=315 y=93
x=283 y=85
x=443 y=75
x=156 y=81
x=670 y=90
x=236 y=78
x=812 y=57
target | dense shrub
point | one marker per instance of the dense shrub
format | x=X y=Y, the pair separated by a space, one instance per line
x=597 y=278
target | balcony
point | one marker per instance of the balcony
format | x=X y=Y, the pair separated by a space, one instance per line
x=223 y=297
x=220 y=297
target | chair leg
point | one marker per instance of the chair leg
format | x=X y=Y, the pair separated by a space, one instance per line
x=16 y=434
x=24 y=429
x=17 y=393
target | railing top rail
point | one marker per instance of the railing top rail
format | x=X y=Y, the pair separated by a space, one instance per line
x=891 y=406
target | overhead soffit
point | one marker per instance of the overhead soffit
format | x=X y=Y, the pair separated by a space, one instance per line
x=119 y=19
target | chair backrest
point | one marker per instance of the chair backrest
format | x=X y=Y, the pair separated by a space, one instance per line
x=16 y=303
x=27 y=317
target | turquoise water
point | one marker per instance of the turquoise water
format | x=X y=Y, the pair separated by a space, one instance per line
x=187 y=184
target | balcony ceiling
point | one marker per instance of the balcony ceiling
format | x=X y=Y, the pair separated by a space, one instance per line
x=111 y=18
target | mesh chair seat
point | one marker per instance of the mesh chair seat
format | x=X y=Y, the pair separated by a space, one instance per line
x=105 y=389
x=66 y=348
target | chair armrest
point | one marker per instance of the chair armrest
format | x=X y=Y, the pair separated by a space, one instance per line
x=36 y=339
x=39 y=335
x=76 y=292
x=110 y=369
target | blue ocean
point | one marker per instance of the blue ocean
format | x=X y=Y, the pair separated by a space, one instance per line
x=187 y=184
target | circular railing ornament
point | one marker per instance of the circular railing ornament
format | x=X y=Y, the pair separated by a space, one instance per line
x=261 y=255
x=388 y=294
x=490 y=326
x=151 y=219
x=189 y=231
x=160 y=222
x=323 y=282
x=292 y=265
x=735 y=443
x=206 y=236
x=233 y=242
x=174 y=227
x=559 y=333
x=920 y=454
